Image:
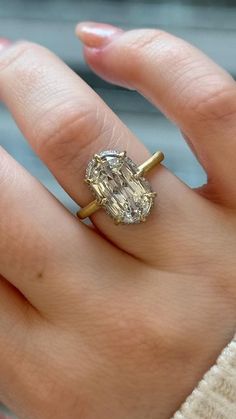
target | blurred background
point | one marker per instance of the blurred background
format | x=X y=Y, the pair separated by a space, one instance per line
x=210 y=25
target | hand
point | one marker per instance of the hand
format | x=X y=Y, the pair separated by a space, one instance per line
x=114 y=321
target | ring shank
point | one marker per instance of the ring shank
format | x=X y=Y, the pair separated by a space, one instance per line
x=90 y=209
x=143 y=169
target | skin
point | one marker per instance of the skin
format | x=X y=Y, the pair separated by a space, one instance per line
x=114 y=321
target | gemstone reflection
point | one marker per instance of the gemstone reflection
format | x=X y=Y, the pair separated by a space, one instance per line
x=113 y=179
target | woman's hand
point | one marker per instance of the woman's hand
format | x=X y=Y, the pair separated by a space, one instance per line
x=115 y=321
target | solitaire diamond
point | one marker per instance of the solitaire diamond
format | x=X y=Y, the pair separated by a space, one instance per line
x=118 y=186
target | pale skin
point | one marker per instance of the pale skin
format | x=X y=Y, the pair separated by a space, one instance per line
x=114 y=321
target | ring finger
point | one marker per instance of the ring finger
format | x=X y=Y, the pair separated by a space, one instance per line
x=66 y=123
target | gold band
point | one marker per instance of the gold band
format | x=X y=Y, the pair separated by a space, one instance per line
x=143 y=169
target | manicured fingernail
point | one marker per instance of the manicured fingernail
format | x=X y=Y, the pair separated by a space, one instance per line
x=97 y=35
x=4 y=43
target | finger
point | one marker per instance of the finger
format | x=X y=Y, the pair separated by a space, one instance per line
x=66 y=123
x=185 y=84
x=41 y=242
x=14 y=312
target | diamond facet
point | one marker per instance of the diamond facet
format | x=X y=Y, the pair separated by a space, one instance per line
x=127 y=198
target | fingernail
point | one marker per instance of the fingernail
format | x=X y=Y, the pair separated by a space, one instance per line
x=97 y=35
x=4 y=43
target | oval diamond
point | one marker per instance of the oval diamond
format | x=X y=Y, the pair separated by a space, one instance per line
x=114 y=180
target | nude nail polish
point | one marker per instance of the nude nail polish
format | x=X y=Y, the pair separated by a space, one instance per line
x=97 y=35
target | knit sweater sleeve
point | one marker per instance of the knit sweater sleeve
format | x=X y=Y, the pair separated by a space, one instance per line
x=215 y=395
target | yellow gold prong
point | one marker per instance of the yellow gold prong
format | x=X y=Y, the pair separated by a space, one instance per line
x=98 y=158
x=118 y=221
x=88 y=181
x=122 y=154
x=151 y=194
x=138 y=174
x=102 y=201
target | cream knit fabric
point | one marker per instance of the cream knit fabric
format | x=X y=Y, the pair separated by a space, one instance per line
x=215 y=396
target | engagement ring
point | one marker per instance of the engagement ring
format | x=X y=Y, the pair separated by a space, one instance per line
x=119 y=186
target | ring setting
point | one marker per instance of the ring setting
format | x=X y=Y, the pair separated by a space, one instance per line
x=119 y=186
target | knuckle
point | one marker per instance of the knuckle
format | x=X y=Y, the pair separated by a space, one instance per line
x=135 y=336
x=146 y=38
x=217 y=105
x=16 y=53
x=139 y=44
x=21 y=67
x=66 y=131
